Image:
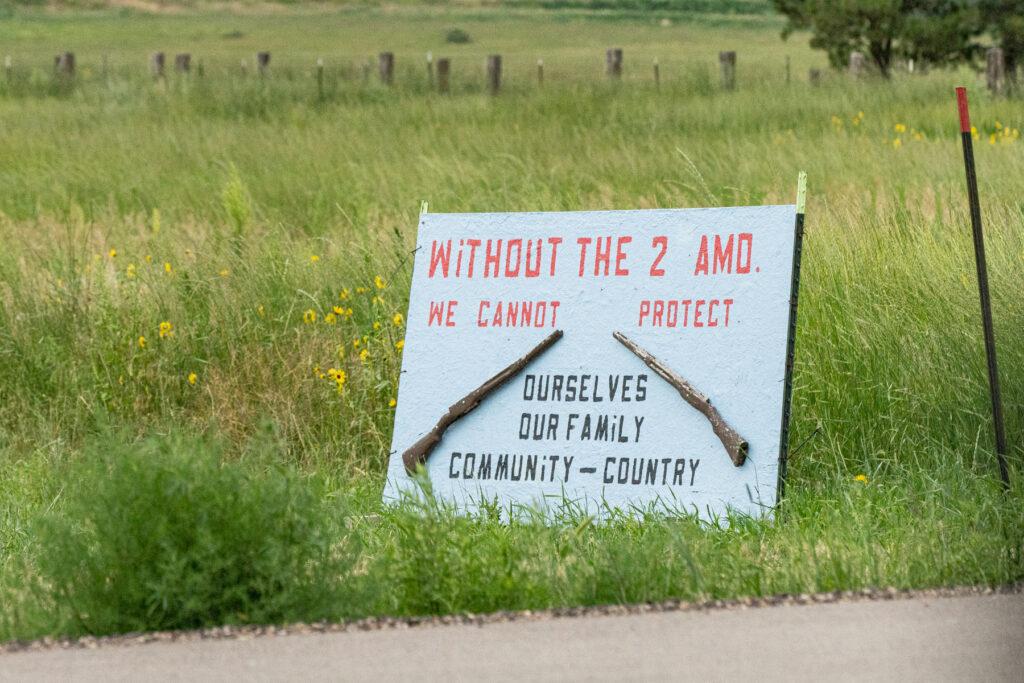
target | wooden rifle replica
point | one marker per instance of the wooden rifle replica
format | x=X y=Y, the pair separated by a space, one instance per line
x=417 y=454
x=735 y=445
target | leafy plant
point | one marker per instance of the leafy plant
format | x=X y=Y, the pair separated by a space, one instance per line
x=164 y=534
x=457 y=36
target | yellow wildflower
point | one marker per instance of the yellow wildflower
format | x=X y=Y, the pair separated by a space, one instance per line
x=400 y=344
x=192 y=377
x=862 y=478
x=130 y=271
x=339 y=377
x=897 y=143
x=309 y=316
x=316 y=371
x=344 y=294
x=260 y=311
x=330 y=318
x=361 y=290
x=149 y=258
x=313 y=258
x=338 y=310
x=142 y=342
x=167 y=267
x=397 y=319
x=225 y=272
x=378 y=282
x=166 y=329
x=974 y=132
x=376 y=324
x=377 y=301
x=112 y=253
x=364 y=355
x=392 y=403
x=356 y=342
x=900 y=128
x=992 y=139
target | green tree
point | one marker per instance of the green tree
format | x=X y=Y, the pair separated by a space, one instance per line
x=1004 y=20
x=933 y=32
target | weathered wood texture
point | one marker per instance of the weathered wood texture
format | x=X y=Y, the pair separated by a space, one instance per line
x=64 y=64
x=995 y=70
x=263 y=63
x=494 y=74
x=157 y=60
x=386 y=67
x=418 y=453
x=735 y=445
x=613 y=62
x=857 y=64
x=727 y=69
x=444 y=69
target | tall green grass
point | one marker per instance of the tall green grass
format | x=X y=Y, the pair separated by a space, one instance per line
x=271 y=205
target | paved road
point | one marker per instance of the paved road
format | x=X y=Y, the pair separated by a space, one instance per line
x=978 y=638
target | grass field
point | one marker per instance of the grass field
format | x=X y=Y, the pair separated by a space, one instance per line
x=173 y=452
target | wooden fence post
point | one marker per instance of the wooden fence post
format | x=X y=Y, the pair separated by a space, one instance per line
x=183 y=62
x=386 y=67
x=444 y=66
x=814 y=77
x=657 y=75
x=540 y=72
x=262 y=63
x=857 y=64
x=494 y=73
x=727 y=69
x=995 y=70
x=613 y=62
x=156 y=65
x=64 y=63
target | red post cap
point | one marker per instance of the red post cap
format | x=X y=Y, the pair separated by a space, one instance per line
x=965 y=117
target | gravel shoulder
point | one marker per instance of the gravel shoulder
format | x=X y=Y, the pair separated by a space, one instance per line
x=922 y=635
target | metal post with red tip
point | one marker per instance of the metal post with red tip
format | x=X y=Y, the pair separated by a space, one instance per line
x=986 y=304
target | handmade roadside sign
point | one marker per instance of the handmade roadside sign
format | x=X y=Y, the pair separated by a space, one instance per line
x=616 y=359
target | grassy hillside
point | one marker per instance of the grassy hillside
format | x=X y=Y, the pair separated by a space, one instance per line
x=173 y=253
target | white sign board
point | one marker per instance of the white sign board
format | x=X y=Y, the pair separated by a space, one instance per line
x=706 y=292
